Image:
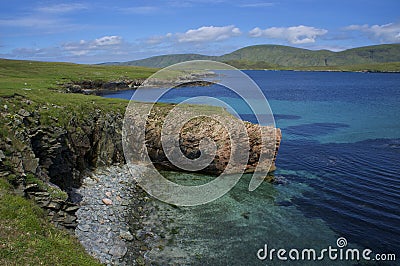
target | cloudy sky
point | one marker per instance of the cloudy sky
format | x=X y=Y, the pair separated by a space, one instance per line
x=104 y=30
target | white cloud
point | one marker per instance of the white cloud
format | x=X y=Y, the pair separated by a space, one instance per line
x=108 y=44
x=107 y=40
x=62 y=8
x=196 y=36
x=208 y=33
x=384 y=33
x=295 y=35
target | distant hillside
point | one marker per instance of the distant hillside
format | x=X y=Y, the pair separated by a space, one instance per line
x=276 y=56
x=165 y=60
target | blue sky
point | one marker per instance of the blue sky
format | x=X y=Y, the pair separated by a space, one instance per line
x=103 y=31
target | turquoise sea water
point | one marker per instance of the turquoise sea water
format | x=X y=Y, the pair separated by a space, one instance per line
x=338 y=172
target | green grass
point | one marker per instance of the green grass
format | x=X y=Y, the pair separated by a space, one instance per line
x=23 y=76
x=246 y=64
x=27 y=238
x=41 y=84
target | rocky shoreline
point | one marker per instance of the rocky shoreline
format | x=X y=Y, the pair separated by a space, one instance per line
x=116 y=219
x=99 y=87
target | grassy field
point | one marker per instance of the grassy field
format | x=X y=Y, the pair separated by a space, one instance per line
x=17 y=75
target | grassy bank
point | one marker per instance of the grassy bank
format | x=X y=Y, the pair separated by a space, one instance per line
x=27 y=238
x=19 y=74
x=39 y=84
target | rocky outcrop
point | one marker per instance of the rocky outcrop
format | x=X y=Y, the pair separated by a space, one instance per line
x=60 y=211
x=60 y=154
x=259 y=143
x=43 y=155
x=100 y=87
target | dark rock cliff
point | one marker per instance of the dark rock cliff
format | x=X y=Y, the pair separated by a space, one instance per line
x=45 y=158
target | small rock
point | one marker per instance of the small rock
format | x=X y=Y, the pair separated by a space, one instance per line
x=140 y=261
x=108 y=194
x=84 y=227
x=72 y=209
x=69 y=219
x=246 y=215
x=53 y=205
x=31 y=188
x=107 y=201
x=126 y=235
x=24 y=113
x=2 y=156
x=118 y=251
x=42 y=194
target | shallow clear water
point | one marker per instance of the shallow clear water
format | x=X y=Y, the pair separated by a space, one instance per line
x=338 y=164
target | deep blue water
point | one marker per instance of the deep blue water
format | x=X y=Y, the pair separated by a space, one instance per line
x=339 y=167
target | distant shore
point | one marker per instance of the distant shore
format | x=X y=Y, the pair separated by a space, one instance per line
x=332 y=70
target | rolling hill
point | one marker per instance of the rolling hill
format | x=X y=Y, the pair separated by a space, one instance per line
x=279 y=56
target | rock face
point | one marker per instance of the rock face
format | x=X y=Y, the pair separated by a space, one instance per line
x=56 y=153
x=220 y=138
x=99 y=87
x=60 y=211
x=60 y=155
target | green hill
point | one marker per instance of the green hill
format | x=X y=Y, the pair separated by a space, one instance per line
x=165 y=60
x=279 y=56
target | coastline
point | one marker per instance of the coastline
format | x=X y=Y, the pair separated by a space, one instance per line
x=329 y=70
